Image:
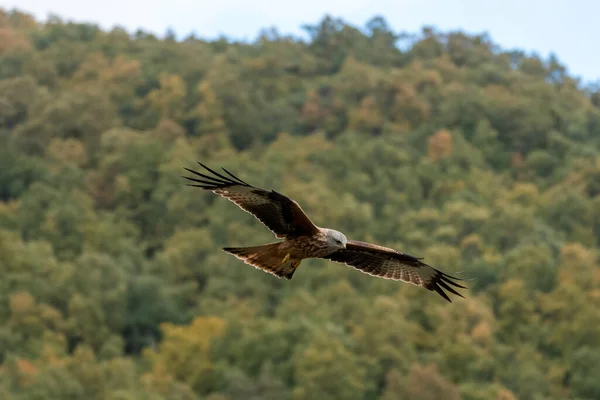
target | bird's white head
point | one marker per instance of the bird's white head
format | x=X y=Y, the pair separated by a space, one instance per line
x=335 y=239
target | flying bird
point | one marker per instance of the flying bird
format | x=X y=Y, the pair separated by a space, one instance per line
x=303 y=239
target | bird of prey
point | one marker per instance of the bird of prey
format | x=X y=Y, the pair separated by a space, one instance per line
x=303 y=239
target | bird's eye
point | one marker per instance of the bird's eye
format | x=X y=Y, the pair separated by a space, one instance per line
x=338 y=241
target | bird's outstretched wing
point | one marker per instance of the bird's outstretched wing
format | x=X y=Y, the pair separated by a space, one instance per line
x=390 y=264
x=282 y=215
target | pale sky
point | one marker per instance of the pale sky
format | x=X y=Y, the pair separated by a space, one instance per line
x=566 y=27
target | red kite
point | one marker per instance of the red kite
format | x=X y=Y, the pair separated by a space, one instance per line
x=303 y=239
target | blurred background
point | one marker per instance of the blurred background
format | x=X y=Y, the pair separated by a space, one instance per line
x=466 y=133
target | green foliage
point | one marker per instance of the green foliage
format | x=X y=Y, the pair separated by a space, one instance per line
x=112 y=285
x=326 y=368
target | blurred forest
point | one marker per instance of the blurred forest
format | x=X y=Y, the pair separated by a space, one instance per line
x=442 y=145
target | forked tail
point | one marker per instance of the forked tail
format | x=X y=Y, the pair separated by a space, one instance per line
x=267 y=257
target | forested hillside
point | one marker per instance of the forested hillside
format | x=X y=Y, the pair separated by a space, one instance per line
x=112 y=281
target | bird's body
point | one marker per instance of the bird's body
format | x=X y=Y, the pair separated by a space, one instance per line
x=303 y=239
x=282 y=258
x=318 y=245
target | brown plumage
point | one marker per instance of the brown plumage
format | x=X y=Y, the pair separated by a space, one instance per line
x=303 y=239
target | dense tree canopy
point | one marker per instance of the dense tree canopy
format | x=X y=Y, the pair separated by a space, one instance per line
x=112 y=284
